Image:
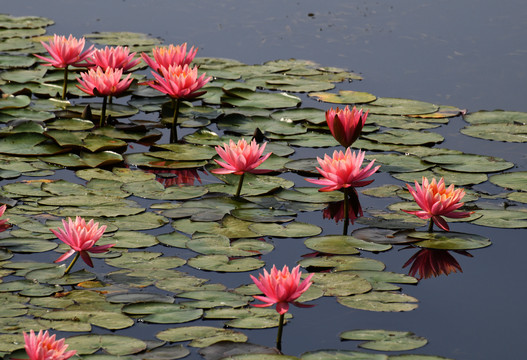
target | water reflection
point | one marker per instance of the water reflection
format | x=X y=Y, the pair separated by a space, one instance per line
x=427 y=263
x=169 y=177
x=337 y=210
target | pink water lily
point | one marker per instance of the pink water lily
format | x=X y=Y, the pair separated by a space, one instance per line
x=4 y=225
x=343 y=170
x=437 y=201
x=282 y=288
x=241 y=157
x=118 y=57
x=170 y=56
x=179 y=82
x=99 y=82
x=65 y=51
x=42 y=346
x=81 y=237
x=346 y=125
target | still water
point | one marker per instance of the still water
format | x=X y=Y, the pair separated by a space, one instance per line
x=469 y=54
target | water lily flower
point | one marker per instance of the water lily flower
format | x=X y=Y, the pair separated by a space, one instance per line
x=343 y=170
x=99 y=82
x=241 y=158
x=281 y=287
x=65 y=52
x=179 y=82
x=426 y=263
x=118 y=57
x=436 y=201
x=346 y=125
x=81 y=237
x=3 y=223
x=42 y=346
x=170 y=56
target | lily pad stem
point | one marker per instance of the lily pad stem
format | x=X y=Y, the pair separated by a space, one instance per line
x=103 y=111
x=72 y=262
x=431 y=225
x=240 y=183
x=173 y=132
x=65 y=84
x=280 y=330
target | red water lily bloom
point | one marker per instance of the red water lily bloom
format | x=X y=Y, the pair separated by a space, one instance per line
x=42 y=346
x=346 y=125
x=343 y=170
x=179 y=82
x=118 y=57
x=65 y=52
x=3 y=223
x=281 y=287
x=170 y=56
x=241 y=157
x=436 y=201
x=99 y=82
x=81 y=237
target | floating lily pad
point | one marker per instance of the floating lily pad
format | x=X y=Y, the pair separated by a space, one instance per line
x=222 y=263
x=264 y=215
x=514 y=180
x=340 y=284
x=380 y=301
x=470 y=163
x=200 y=336
x=508 y=219
x=405 y=137
x=399 y=163
x=497 y=132
x=497 y=117
x=342 y=244
x=214 y=244
x=385 y=340
x=344 y=97
x=122 y=38
x=293 y=230
x=111 y=344
x=244 y=97
x=449 y=240
x=393 y=106
x=383 y=236
x=342 y=355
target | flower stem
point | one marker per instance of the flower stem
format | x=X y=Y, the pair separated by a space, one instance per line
x=72 y=262
x=240 y=183
x=346 y=212
x=280 y=330
x=102 y=121
x=173 y=132
x=65 y=84
x=431 y=225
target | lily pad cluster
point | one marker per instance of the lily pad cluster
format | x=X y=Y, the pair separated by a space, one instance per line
x=155 y=205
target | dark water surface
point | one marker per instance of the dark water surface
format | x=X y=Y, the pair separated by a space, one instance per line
x=471 y=54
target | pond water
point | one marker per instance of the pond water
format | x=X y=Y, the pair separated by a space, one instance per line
x=471 y=55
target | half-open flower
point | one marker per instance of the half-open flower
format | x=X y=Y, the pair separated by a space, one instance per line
x=99 y=82
x=346 y=125
x=170 y=56
x=282 y=288
x=436 y=201
x=343 y=170
x=118 y=57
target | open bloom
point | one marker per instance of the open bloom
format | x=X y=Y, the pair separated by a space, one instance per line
x=118 y=57
x=241 y=157
x=81 y=237
x=179 y=82
x=99 y=82
x=281 y=287
x=41 y=346
x=343 y=170
x=170 y=56
x=346 y=125
x=436 y=201
x=65 y=52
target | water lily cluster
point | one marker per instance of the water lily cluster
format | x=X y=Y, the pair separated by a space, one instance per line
x=106 y=67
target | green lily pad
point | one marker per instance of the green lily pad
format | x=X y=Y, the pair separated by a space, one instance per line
x=145 y=260
x=380 y=301
x=343 y=245
x=399 y=163
x=15 y=61
x=122 y=38
x=497 y=132
x=244 y=97
x=293 y=230
x=449 y=240
x=312 y=115
x=470 y=163
x=28 y=144
x=215 y=244
x=340 y=284
x=184 y=152
x=344 y=97
x=496 y=117
x=508 y=219
x=342 y=355
x=405 y=137
x=200 y=336
x=385 y=340
x=385 y=280
x=222 y=263
x=342 y=263
x=451 y=177
x=514 y=180
x=246 y=126
x=264 y=215
x=393 y=106
x=111 y=344
x=383 y=236
x=310 y=194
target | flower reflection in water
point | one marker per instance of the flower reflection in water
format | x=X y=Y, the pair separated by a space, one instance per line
x=337 y=210
x=426 y=263
x=169 y=177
